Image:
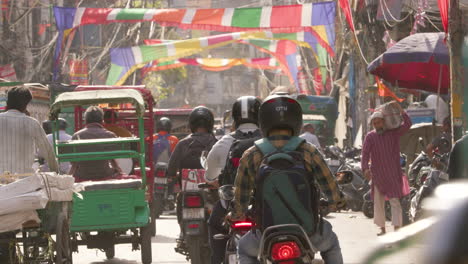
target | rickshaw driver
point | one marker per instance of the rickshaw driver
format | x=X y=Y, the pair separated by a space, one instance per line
x=94 y=169
x=20 y=137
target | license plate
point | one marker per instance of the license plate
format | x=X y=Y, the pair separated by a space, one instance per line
x=193 y=213
x=160 y=180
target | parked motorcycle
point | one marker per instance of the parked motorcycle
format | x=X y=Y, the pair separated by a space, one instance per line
x=437 y=175
x=416 y=178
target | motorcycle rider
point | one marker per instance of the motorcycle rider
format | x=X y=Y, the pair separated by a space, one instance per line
x=163 y=142
x=188 y=151
x=245 y=115
x=280 y=118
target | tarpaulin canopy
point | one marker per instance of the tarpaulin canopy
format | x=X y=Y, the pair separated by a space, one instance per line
x=118 y=96
x=124 y=61
x=419 y=61
x=312 y=23
x=318 y=18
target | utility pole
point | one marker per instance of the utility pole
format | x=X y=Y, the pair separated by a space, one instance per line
x=456 y=71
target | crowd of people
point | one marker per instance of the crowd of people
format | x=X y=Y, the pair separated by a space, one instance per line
x=241 y=158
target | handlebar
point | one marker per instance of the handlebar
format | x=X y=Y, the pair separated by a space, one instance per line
x=204 y=185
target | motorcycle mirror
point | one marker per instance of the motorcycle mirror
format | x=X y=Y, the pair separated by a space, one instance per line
x=421 y=141
x=344 y=177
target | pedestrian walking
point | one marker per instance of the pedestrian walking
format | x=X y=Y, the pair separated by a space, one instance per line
x=382 y=148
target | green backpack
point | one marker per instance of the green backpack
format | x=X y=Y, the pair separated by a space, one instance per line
x=285 y=191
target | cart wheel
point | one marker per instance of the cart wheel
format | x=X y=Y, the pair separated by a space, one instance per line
x=63 y=249
x=153 y=216
x=110 y=252
x=145 y=235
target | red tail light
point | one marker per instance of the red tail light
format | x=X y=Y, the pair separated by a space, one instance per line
x=243 y=225
x=160 y=173
x=285 y=251
x=193 y=201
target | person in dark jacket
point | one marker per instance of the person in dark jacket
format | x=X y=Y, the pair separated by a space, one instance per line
x=188 y=151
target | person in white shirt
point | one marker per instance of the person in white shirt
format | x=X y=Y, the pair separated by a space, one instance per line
x=441 y=110
x=62 y=137
x=309 y=135
x=245 y=115
x=20 y=137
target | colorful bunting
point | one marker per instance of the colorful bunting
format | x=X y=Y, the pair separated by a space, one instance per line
x=444 y=7
x=8 y=72
x=78 y=72
x=311 y=23
x=214 y=64
x=344 y=4
x=124 y=61
x=384 y=91
x=287 y=18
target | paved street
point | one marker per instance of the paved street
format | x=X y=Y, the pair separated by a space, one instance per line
x=357 y=236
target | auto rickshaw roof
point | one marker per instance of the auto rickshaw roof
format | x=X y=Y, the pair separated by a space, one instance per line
x=141 y=88
x=94 y=97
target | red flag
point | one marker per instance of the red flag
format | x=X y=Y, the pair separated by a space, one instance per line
x=344 y=4
x=444 y=7
x=384 y=91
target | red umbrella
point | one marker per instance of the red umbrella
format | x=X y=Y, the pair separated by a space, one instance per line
x=420 y=61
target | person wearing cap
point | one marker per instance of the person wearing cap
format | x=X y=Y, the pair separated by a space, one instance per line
x=382 y=148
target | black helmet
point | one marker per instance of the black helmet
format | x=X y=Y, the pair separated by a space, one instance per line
x=47 y=126
x=63 y=124
x=280 y=112
x=245 y=110
x=201 y=117
x=164 y=124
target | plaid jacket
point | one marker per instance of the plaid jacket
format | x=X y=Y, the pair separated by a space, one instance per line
x=251 y=160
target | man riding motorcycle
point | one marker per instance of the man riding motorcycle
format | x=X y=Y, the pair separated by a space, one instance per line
x=280 y=119
x=163 y=142
x=188 y=151
x=245 y=116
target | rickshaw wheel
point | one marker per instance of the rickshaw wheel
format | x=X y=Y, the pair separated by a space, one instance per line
x=110 y=252
x=153 y=216
x=145 y=235
x=63 y=249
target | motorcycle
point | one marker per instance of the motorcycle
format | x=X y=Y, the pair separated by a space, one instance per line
x=436 y=177
x=235 y=230
x=338 y=162
x=416 y=178
x=197 y=201
x=164 y=200
x=289 y=243
x=354 y=191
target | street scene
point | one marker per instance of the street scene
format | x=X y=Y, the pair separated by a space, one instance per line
x=233 y=132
